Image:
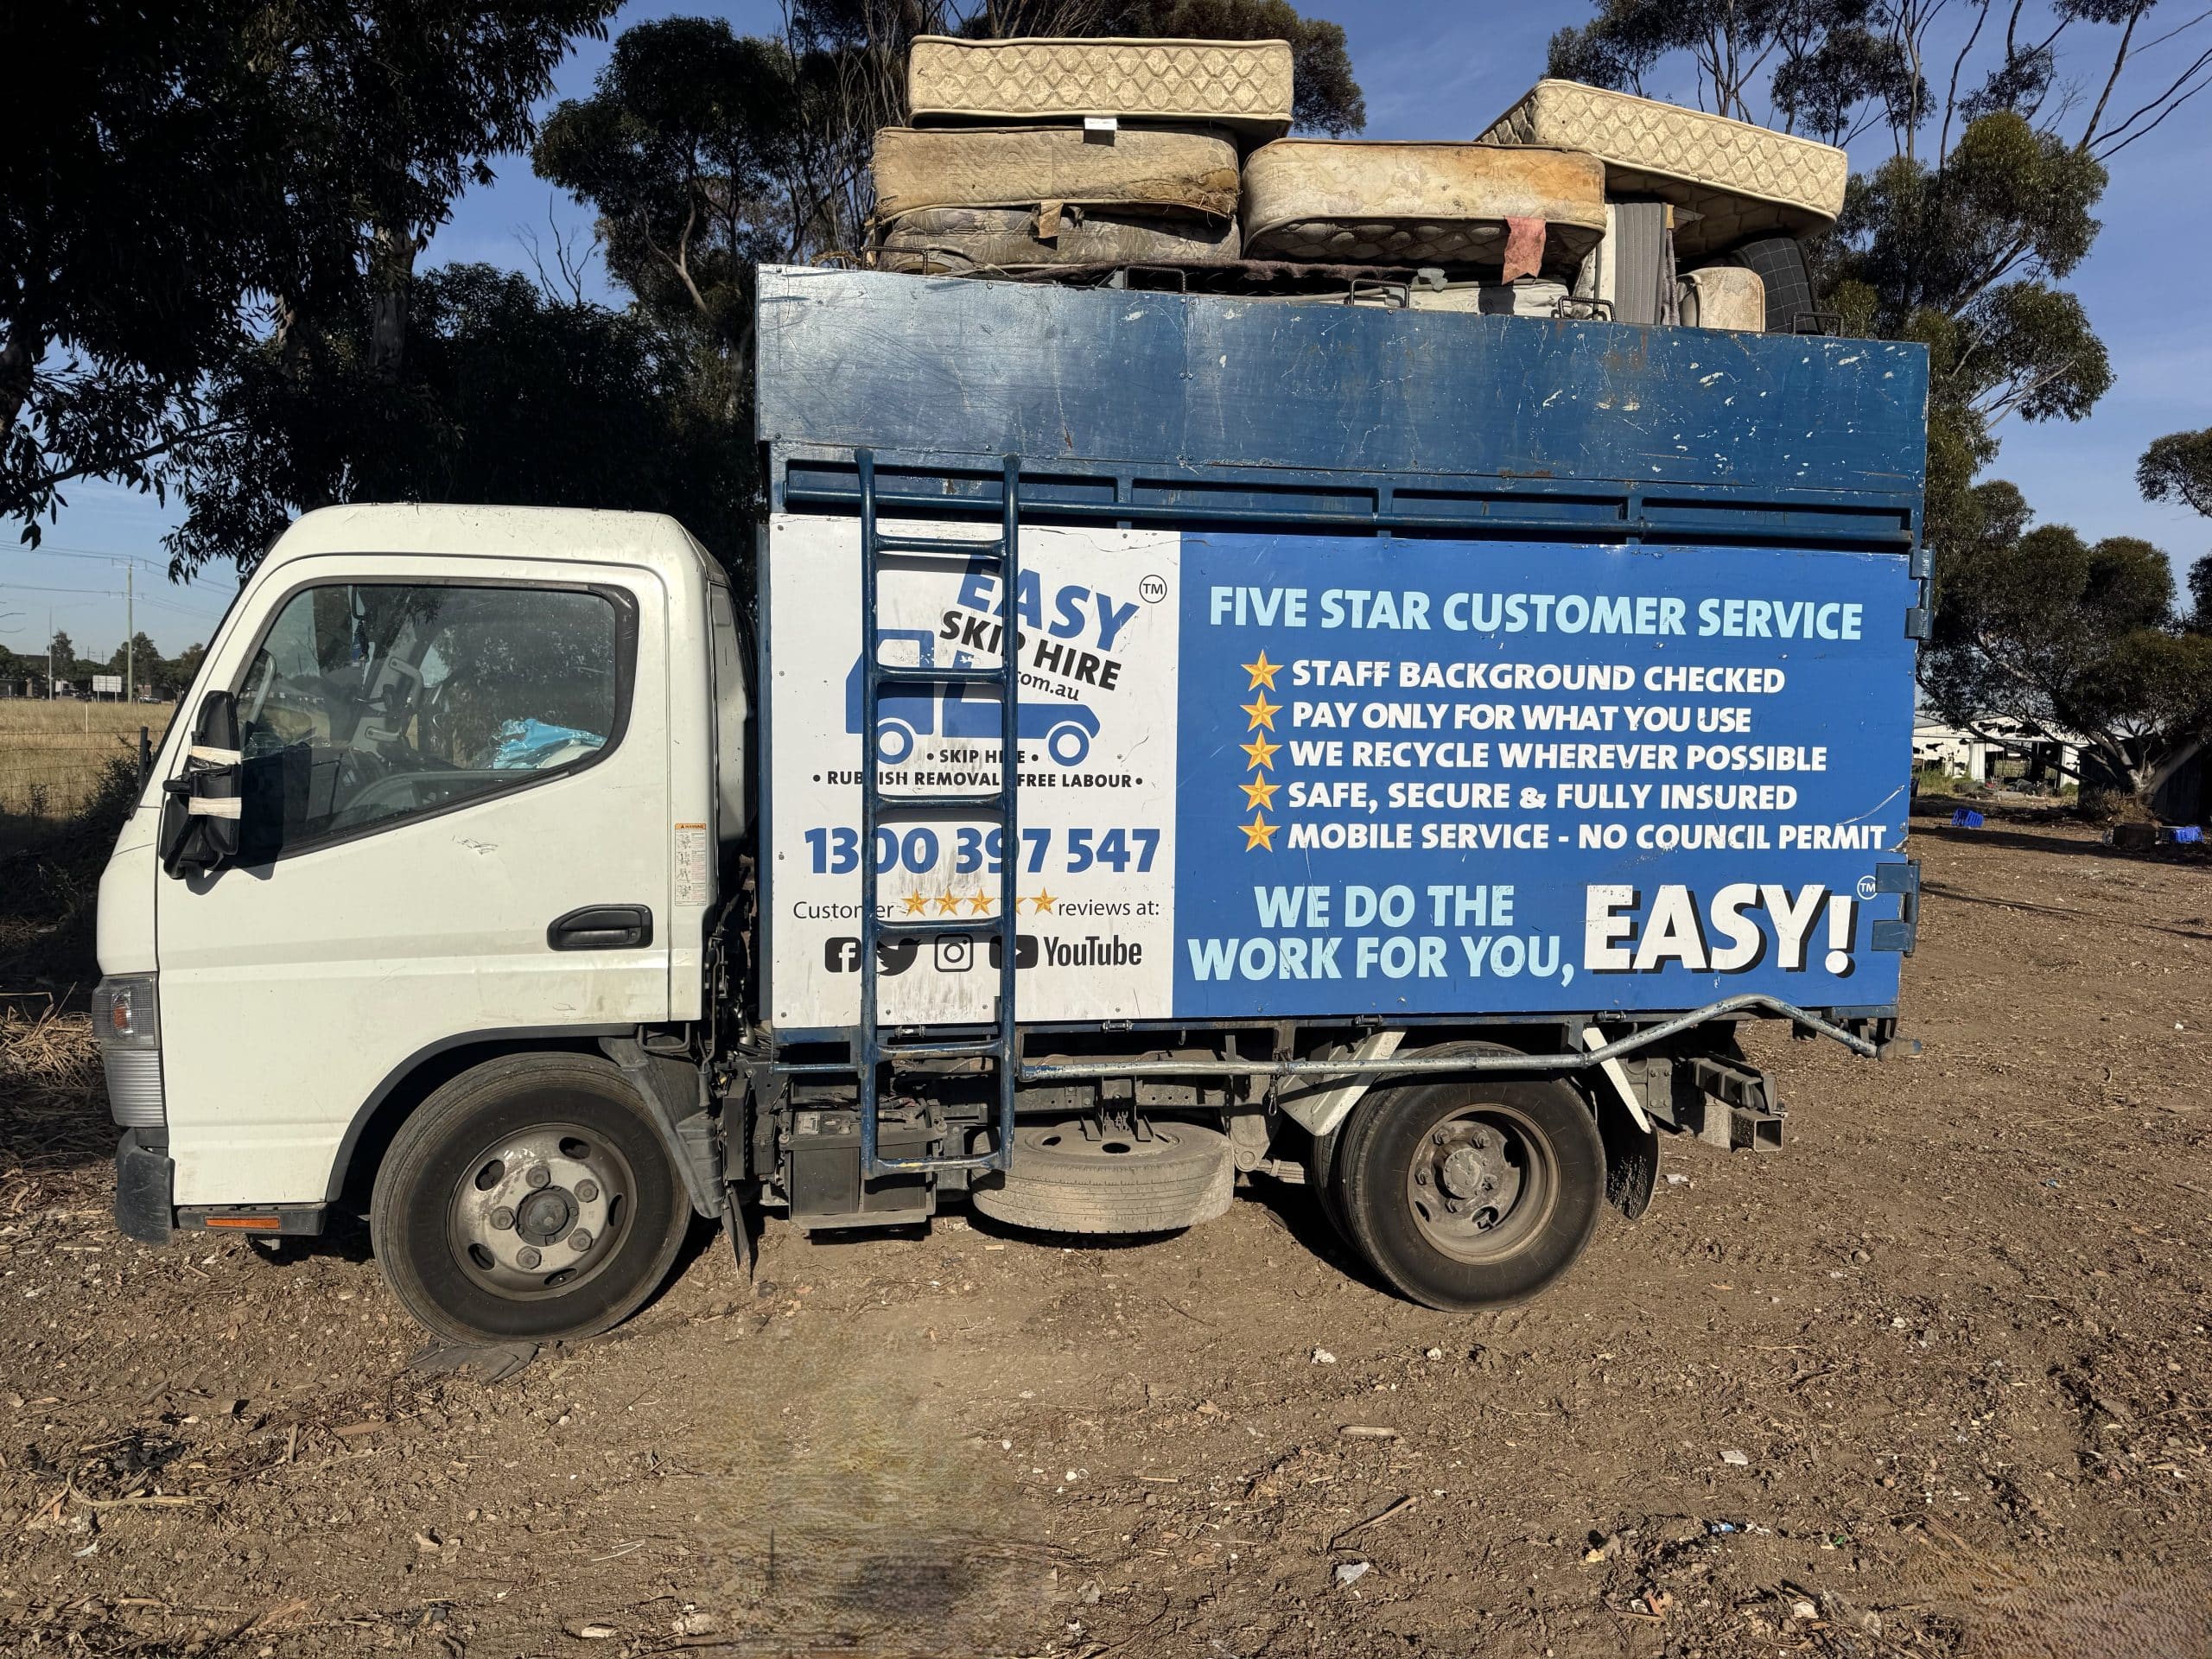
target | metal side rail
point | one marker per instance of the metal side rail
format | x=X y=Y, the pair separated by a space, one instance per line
x=873 y=1057
x=1413 y=1065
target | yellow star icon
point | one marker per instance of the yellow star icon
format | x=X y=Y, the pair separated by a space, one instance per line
x=1263 y=672
x=980 y=904
x=1259 y=754
x=1263 y=712
x=1043 y=901
x=916 y=903
x=947 y=905
x=1259 y=833
x=1260 y=794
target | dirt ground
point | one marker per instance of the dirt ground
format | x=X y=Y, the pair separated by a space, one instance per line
x=1933 y=1381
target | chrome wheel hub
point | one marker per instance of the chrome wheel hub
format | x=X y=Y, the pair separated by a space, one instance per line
x=538 y=1211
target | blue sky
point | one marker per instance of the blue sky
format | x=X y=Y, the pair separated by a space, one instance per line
x=1435 y=70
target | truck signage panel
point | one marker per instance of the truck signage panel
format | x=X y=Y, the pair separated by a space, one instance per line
x=1300 y=775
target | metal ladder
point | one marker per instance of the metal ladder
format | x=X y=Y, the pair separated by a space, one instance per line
x=872 y=1055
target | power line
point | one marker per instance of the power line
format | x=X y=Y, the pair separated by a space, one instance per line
x=105 y=593
x=50 y=550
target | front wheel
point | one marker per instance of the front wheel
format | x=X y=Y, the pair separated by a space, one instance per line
x=1470 y=1193
x=529 y=1199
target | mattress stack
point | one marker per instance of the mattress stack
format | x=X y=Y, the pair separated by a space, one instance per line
x=1733 y=198
x=1029 y=154
x=1032 y=157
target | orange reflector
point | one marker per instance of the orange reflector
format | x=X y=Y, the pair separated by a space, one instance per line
x=252 y=1223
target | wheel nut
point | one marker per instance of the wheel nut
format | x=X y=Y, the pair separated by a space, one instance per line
x=1421 y=1177
x=538 y=1176
x=586 y=1191
x=503 y=1217
x=1438 y=1137
x=1452 y=1205
x=579 y=1240
x=528 y=1258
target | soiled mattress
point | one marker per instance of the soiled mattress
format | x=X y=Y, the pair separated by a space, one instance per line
x=1724 y=296
x=1347 y=203
x=1242 y=85
x=939 y=241
x=1171 y=172
x=1741 y=180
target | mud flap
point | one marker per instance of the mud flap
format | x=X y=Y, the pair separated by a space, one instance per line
x=1632 y=1156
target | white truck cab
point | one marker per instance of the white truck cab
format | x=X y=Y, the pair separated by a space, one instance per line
x=483 y=753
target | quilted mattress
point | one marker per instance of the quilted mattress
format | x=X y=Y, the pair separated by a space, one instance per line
x=1158 y=170
x=1741 y=180
x=938 y=241
x=1348 y=202
x=1242 y=85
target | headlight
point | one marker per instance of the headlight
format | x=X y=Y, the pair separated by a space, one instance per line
x=127 y=1023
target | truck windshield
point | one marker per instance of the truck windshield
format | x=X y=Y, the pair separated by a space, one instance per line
x=367 y=703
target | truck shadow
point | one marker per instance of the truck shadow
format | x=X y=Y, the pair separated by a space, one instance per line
x=2027 y=840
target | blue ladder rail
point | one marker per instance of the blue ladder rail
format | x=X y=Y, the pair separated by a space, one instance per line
x=872 y=1055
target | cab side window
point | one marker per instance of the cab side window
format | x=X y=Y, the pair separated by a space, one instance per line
x=370 y=703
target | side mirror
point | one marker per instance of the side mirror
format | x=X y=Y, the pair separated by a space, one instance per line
x=200 y=813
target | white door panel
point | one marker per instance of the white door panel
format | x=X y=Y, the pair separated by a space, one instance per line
x=292 y=990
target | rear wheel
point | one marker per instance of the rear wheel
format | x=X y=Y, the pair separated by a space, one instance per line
x=1470 y=1193
x=529 y=1199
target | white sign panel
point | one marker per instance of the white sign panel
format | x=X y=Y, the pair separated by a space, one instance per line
x=108 y=683
x=1095 y=862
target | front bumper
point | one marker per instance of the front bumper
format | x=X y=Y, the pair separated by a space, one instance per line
x=145 y=1183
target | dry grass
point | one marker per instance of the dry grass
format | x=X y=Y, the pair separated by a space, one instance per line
x=51 y=753
x=52 y=1117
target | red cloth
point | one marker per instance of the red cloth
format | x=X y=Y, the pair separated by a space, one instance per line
x=1524 y=247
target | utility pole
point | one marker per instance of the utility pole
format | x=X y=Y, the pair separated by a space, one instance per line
x=130 y=633
x=49 y=653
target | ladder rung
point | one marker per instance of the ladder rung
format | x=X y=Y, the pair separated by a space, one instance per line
x=906 y=801
x=886 y=675
x=994 y=549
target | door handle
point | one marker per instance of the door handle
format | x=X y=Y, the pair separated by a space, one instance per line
x=602 y=927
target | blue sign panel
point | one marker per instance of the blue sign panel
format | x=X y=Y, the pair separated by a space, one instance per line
x=1430 y=778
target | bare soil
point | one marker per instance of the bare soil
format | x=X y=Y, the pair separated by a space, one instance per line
x=1933 y=1381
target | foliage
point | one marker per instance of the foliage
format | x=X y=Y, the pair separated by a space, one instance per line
x=2068 y=637
x=506 y=395
x=197 y=181
x=142 y=200
x=2178 y=467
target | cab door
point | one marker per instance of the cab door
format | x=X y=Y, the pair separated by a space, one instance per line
x=454 y=826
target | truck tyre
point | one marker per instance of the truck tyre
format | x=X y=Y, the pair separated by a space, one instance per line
x=529 y=1199
x=1470 y=1193
x=1066 y=1182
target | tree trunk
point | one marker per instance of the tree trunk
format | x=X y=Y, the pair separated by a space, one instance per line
x=17 y=366
x=391 y=278
x=2155 y=774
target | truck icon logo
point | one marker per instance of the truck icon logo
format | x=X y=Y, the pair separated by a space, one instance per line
x=907 y=713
